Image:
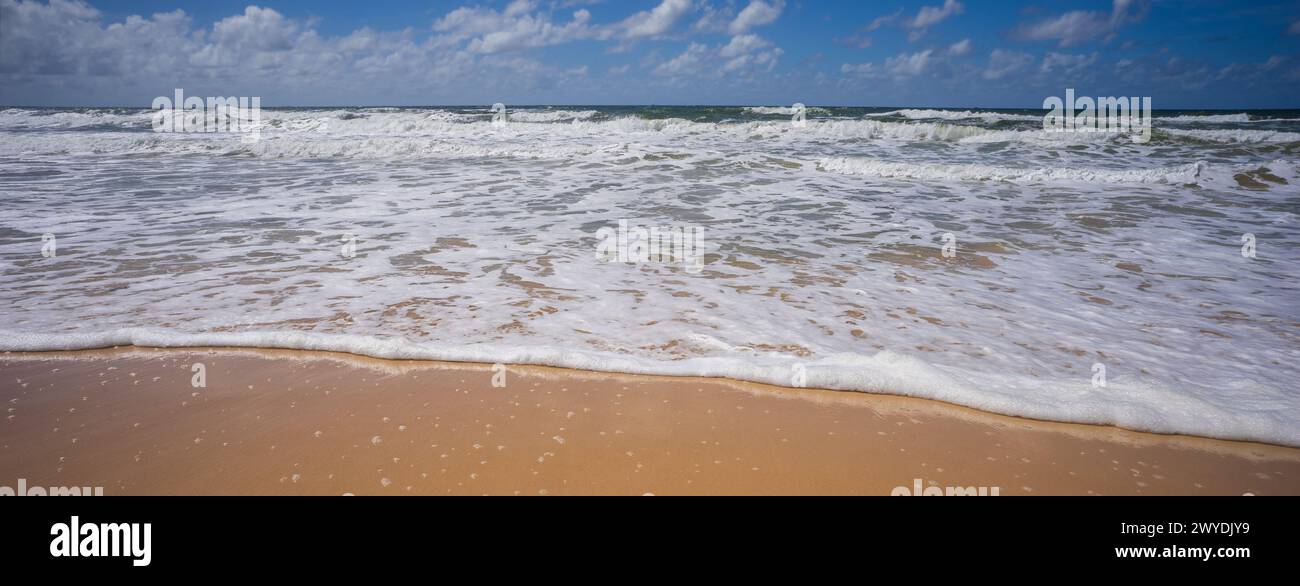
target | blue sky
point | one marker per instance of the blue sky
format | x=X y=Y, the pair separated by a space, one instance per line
x=944 y=53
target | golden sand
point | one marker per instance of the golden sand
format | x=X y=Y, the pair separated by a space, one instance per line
x=288 y=423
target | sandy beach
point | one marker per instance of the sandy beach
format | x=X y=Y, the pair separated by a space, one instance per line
x=299 y=423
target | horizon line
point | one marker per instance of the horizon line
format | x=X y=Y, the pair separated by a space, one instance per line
x=559 y=105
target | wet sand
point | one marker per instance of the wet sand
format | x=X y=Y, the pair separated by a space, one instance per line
x=297 y=423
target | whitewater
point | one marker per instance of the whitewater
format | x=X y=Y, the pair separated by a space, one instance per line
x=824 y=245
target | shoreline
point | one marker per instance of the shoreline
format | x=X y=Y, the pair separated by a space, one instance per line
x=1132 y=408
x=306 y=422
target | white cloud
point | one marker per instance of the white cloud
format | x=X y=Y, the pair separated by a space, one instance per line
x=743 y=44
x=903 y=65
x=859 y=69
x=959 y=48
x=858 y=40
x=887 y=19
x=742 y=52
x=688 y=62
x=512 y=29
x=713 y=20
x=908 y=65
x=932 y=15
x=1068 y=64
x=533 y=31
x=925 y=18
x=1003 y=63
x=260 y=52
x=65 y=39
x=652 y=23
x=1079 y=26
x=758 y=13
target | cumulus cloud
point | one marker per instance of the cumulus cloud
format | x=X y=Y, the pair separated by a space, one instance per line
x=1252 y=72
x=1080 y=26
x=859 y=69
x=651 y=23
x=741 y=53
x=63 y=52
x=1003 y=63
x=259 y=37
x=959 y=48
x=909 y=65
x=899 y=67
x=758 y=13
x=859 y=41
x=1068 y=64
x=515 y=28
x=882 y=21
x=712 y=18
x=64 y=38
x=68 y=52
x=525 y=24
x=925 y=18
x=932 y=15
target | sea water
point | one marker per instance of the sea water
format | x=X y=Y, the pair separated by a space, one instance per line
x=965 y=256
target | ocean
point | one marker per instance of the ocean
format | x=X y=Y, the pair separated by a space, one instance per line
x=959 y=255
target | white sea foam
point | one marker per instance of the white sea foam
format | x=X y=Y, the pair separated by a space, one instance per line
x=476 y=242
x=1140 y=407
x=1236 y=135
x=915 y=114
x=552 y=115
x=781 y=110
x=1208 y=118
x=1195 y=173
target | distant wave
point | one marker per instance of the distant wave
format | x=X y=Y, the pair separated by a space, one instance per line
x=1209 y=119
x=1242 y=118
x=781 y=110
x=551 y=115
x=914 y=114
x=1235 y=135
x=921 y=114
x=1199 y=173
x=414 y=135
